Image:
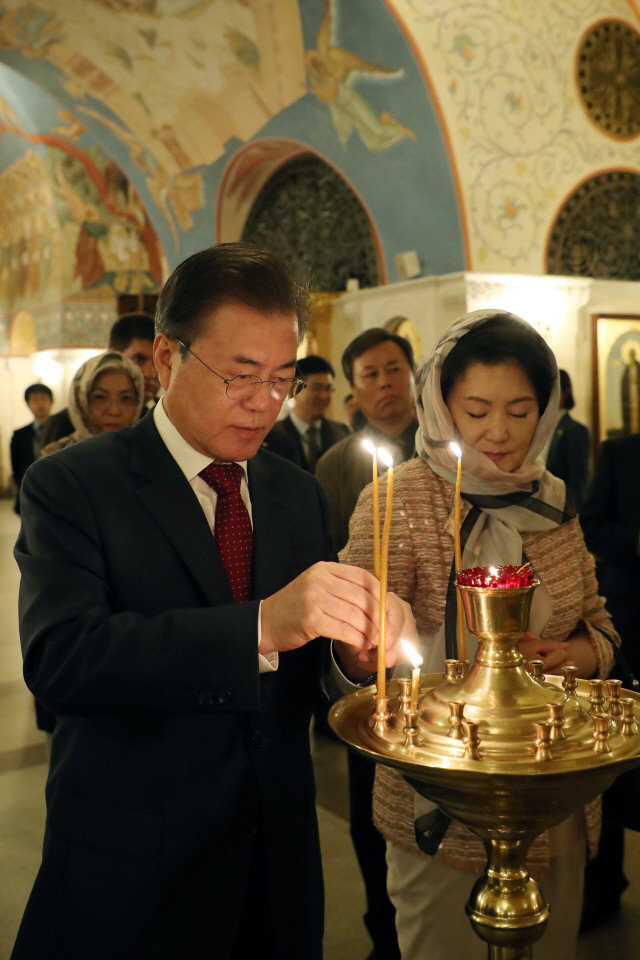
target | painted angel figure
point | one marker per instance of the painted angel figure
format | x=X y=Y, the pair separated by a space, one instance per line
x=332 y=72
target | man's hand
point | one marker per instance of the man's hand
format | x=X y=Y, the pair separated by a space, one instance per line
x=331 y=600
x=359 y=664
x=576 y=651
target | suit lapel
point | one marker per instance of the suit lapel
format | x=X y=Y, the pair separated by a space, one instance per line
x=271 y=527
x=167 y=495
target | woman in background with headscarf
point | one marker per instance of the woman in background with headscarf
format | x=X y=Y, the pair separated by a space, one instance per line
x=106 y=393
x=491 y=384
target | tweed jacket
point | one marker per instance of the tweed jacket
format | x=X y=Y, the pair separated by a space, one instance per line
x=420 y=558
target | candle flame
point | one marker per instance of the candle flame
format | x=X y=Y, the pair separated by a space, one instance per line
x=412 y=653
x=455 y=450
x=493 y=571
x=369 y=447
x=386 y=457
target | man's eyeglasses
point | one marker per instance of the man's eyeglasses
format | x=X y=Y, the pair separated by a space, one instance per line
x=245 y=386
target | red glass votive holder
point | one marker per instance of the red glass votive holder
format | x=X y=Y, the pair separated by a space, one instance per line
x=494 y=576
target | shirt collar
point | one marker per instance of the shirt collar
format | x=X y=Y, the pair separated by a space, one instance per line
x=190 y=461
x=301 y=425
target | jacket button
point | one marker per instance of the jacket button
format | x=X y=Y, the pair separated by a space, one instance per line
x=224 y=697
x=258 y=739
x=201 y=699
x=211 y=699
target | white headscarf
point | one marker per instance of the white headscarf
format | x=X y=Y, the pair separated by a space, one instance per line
x=505 y=505
x=82 y=384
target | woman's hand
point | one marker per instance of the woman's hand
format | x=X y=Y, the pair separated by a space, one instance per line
x=552 y=653
x=577 y=651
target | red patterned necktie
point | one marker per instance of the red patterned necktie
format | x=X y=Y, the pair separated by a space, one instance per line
x=233 y=530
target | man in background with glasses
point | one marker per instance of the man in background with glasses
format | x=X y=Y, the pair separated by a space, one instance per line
x=176 y=580
x=306 y=433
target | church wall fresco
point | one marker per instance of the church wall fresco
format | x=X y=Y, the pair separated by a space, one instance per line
x=74 y=234
x=171 y=89
x=504 y=74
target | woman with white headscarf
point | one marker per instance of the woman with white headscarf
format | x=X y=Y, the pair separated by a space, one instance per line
x=106 y=393
x=491 y=384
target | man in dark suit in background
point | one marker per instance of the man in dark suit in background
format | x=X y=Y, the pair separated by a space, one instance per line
x=26 y=442
x=174 y=586
x=568 y=456
x=305 y=434
x=610 y=519
x=132 y=335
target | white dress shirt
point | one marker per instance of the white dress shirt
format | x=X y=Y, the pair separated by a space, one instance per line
x=192 y=463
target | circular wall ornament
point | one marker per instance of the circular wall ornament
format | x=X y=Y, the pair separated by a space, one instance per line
x=608 y=68
x=597 y=231
x=309 y=214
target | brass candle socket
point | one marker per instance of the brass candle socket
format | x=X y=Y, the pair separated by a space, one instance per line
x=535 y=669
x=411 y=731
x=556 y=720
x=455 y=720
x=543 y=741
x=601 y=733
x=452 y=670
x=614 y=689
x=381 y=715
x=404 y=684
x=629 y=725
x=596 y=697
x=570 y=681
x=471 y=740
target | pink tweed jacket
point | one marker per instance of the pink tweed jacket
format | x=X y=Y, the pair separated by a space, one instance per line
x=420 y=557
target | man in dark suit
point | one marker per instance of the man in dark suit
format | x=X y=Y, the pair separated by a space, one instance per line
x=27 y=441
x=305 y=434
x=610 y=519
x=132 y=335
x=568 y=456
x=174 y=584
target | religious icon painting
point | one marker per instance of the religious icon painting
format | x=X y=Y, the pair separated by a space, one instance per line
x=616 y=376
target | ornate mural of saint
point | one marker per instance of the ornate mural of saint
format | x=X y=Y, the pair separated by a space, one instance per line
x=631 y=393
x=332 y=72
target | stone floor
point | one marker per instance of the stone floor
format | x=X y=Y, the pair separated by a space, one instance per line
x=22 y=777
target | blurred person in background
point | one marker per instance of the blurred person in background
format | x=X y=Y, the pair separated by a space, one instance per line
x=568 y=456
x=610 y=518
x=379 y=368
x=306 y=433
x=132 y=335
x=27 y=441
x=106 y=394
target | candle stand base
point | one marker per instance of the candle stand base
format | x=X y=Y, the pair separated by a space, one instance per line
x=531 y=754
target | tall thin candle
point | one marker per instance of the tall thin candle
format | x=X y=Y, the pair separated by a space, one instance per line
x=387 y=459
x=457 y=552
x=376 y=507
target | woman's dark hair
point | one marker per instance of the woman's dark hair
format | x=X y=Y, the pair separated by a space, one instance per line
x=502 y=340
x=228 y=273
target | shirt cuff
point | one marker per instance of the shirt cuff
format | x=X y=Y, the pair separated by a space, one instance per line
x=266 y=663
x=337 y=683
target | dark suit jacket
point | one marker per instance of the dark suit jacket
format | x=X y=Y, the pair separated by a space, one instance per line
x=22 y=455
x=170 y=750
x=285 y=440
x=610 y=519
x=58 y=425
x=569 y=455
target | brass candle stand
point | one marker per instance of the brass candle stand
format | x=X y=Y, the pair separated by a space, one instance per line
x=503 y=750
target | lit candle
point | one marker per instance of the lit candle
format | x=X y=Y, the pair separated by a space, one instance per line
x=387 y=459
x=416 y=661
x=376 y=508
x=457 y=552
